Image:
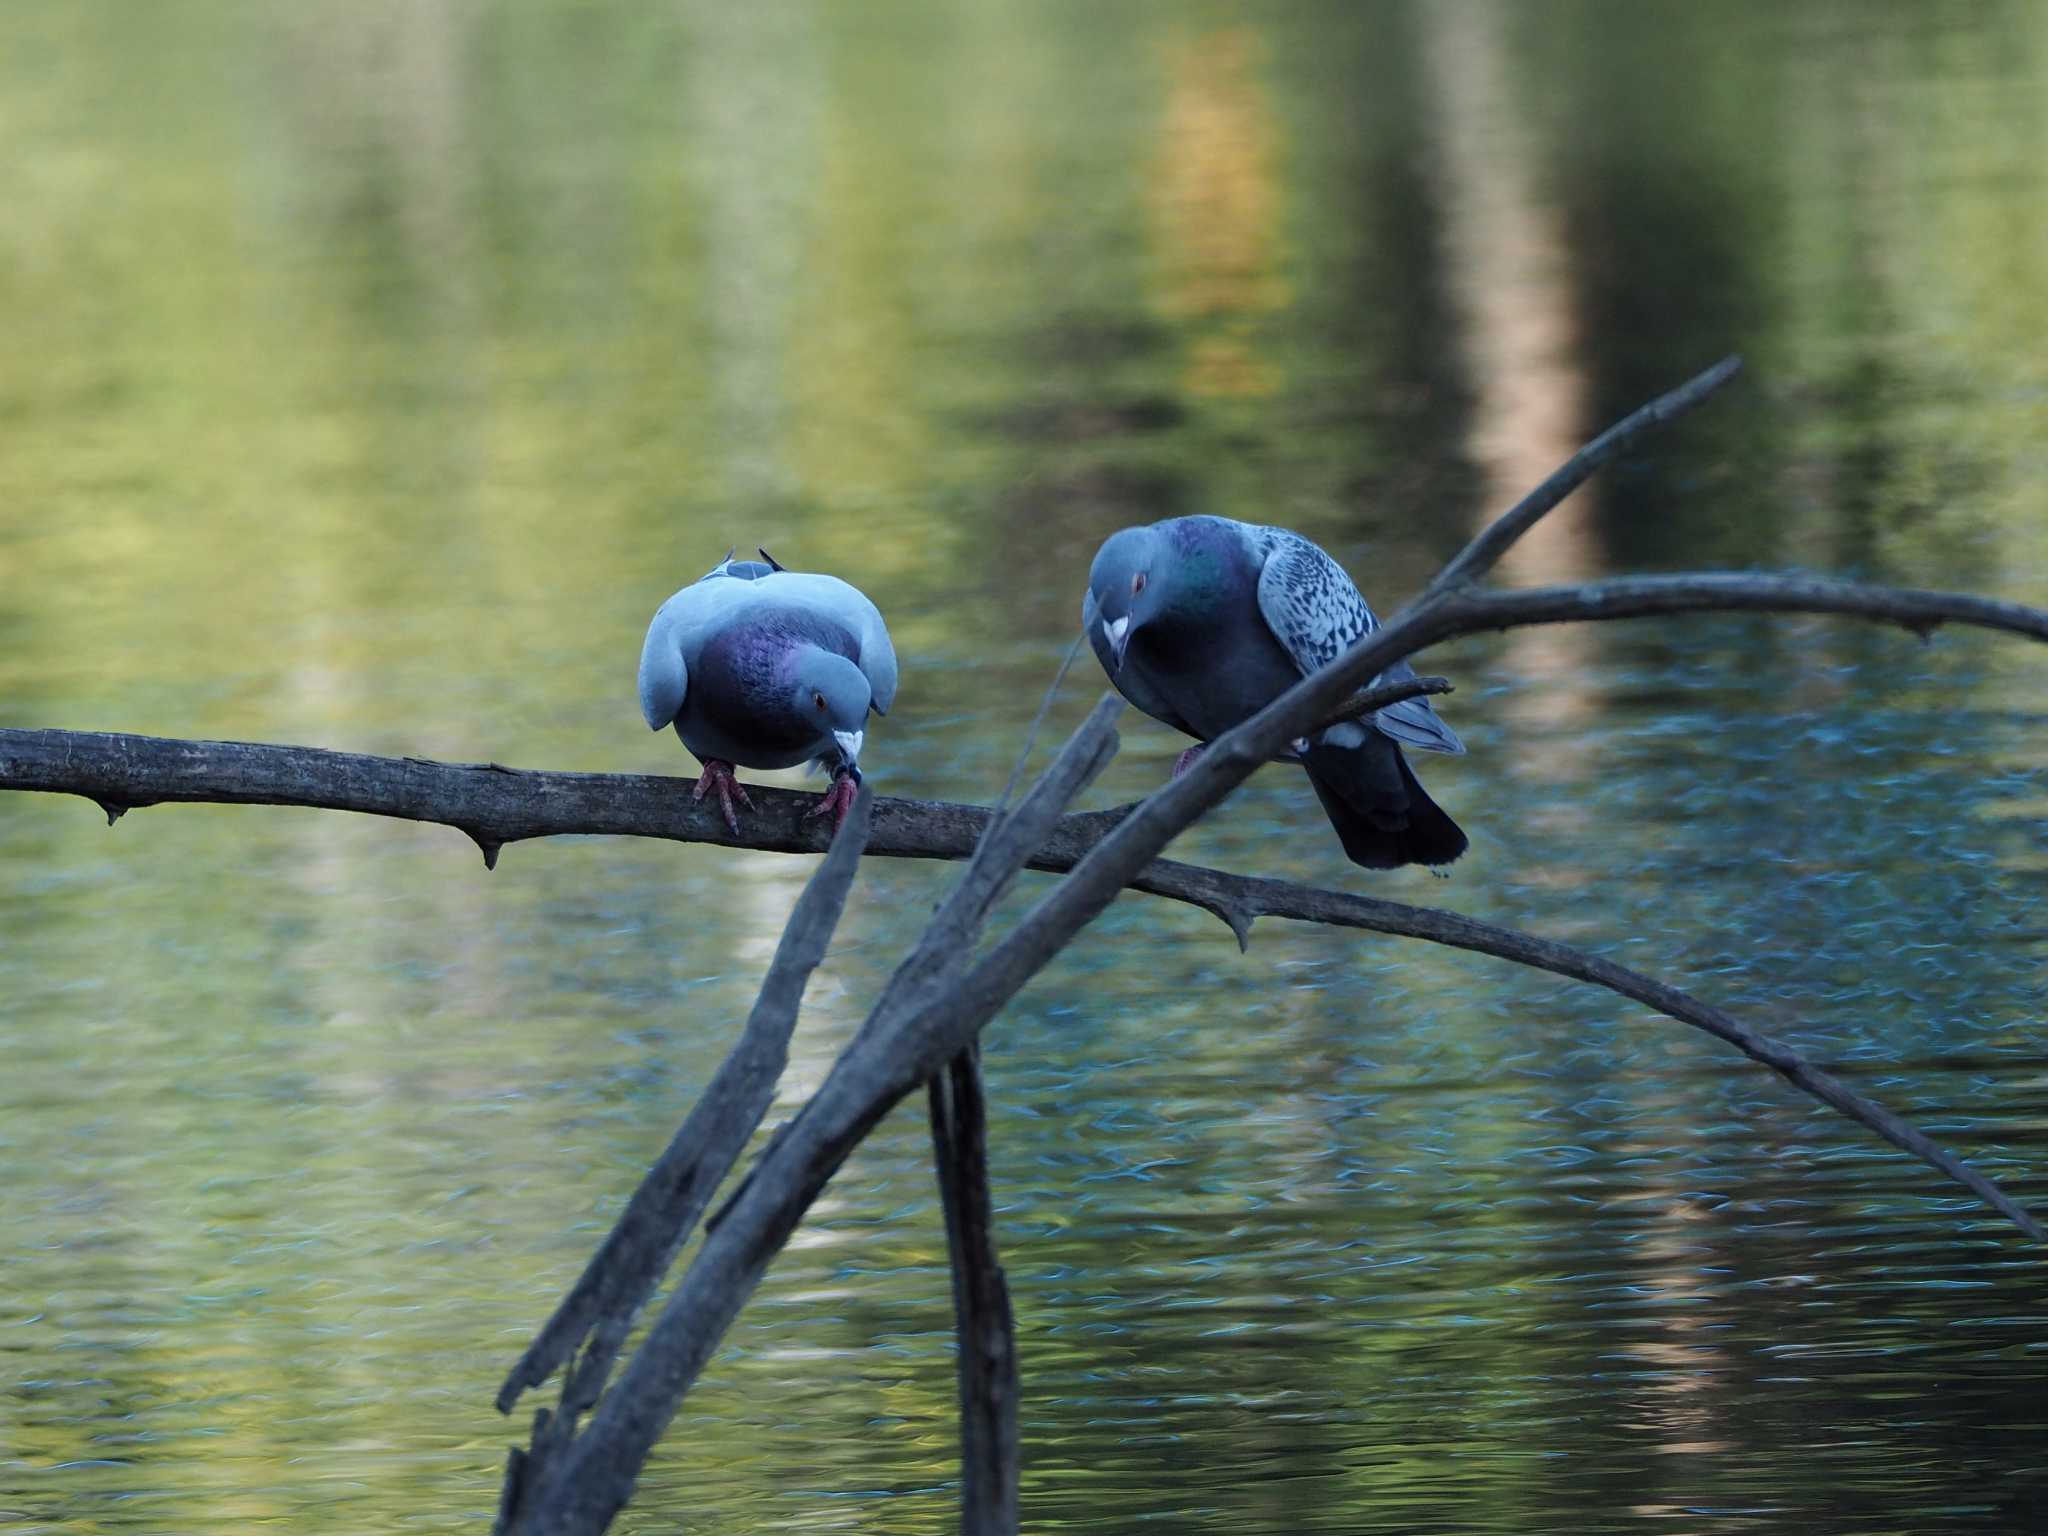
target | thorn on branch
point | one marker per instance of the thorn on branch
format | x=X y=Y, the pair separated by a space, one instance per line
x=1240 y=920
x=488 y=846
x=115 y=809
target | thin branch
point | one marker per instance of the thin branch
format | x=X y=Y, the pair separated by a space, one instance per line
x=1238 y=899
x=1484 y=552
x=1052 y=692
x=982 y=1317
x=984 y=1324
x=1635 y=597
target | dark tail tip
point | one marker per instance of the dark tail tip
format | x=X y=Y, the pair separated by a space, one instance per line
x=1392 y=835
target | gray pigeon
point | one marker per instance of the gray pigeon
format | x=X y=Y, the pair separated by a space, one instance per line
x=1202 y=622
x=767 y=668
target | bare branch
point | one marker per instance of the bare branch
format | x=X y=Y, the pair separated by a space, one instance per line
x=984 y=1325
x=1635 y=597
x=495 y=805
x=1241 y=898
x=981 y=1301
x=1371 y=700
x=1484 y=552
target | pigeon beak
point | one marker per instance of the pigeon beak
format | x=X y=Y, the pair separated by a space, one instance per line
x=1118 y=633
x=849 y=745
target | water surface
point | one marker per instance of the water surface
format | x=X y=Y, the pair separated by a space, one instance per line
x=373 y=370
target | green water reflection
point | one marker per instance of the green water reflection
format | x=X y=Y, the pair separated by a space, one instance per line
x=371 y=370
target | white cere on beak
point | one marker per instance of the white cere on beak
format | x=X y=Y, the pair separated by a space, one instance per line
x=849 y=744
x=1116 y=629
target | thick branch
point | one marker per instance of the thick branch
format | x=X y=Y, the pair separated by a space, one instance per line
x=493 y=804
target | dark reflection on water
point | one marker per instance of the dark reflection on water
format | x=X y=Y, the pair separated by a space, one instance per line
x=374 y=370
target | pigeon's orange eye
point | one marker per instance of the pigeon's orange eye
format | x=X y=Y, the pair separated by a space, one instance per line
x=818 y=699
x=1137 y=583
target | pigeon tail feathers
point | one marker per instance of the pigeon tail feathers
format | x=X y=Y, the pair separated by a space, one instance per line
x=1381 y=812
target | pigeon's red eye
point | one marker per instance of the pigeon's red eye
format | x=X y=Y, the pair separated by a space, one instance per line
x=818 y=699
x=1137 y=583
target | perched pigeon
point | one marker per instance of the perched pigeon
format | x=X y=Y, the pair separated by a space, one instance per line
x=1202 y=621
x=766 y=668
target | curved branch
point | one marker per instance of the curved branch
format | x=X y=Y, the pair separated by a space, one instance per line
x=1238 y=899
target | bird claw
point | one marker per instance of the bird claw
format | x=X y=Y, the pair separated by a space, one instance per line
x=838 y=800
x=719 y=776
x=1187 y=759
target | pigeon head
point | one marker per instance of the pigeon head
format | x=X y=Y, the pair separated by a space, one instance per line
x=1124 y=585
x=831 y=693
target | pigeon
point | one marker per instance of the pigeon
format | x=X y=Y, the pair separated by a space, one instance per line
x=761 y=667
x=1203 y=621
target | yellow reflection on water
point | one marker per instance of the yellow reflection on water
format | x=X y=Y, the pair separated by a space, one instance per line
x=1216 y=198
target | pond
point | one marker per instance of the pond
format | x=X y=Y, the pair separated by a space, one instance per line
x=374 y=369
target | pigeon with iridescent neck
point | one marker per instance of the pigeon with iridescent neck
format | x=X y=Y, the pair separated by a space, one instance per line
x=1203 y=621
x=760 y=667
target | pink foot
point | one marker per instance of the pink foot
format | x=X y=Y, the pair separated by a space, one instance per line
x=838 y=800
x=719 y=776
x=1186 y=760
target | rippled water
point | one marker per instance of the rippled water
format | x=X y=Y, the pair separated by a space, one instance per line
x=372 y=371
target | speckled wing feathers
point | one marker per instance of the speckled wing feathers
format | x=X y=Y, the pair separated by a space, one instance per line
x=1311 y=606
x=1316 y=612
